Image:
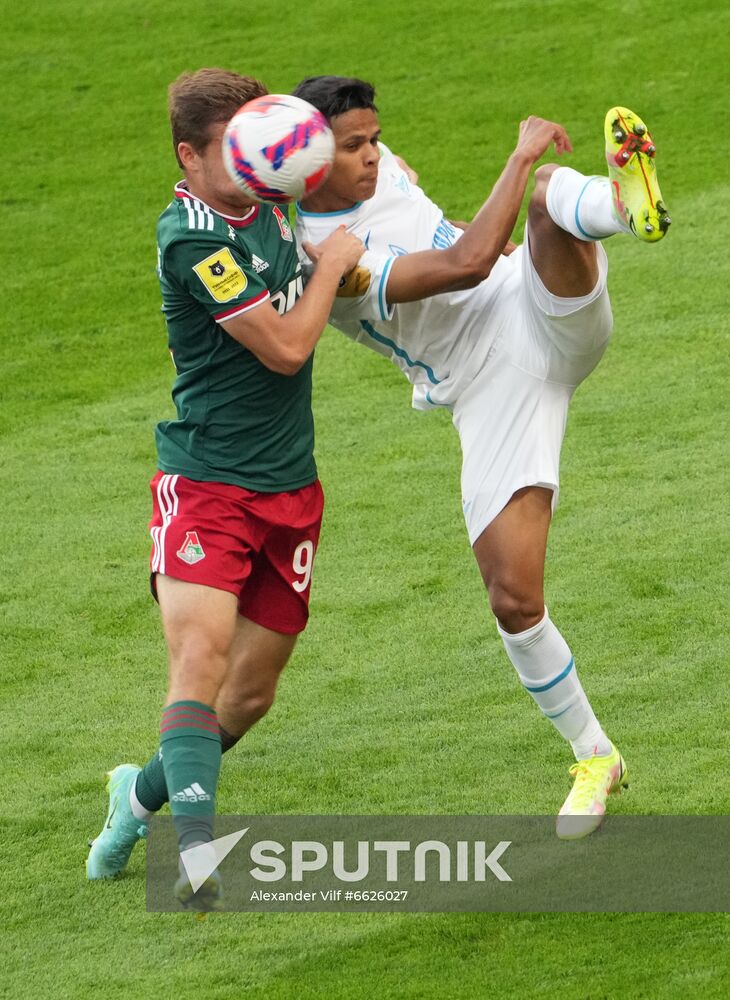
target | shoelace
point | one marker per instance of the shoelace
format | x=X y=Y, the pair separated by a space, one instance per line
x=587 y=783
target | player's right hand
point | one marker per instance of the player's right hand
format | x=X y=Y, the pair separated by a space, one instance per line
x=340 y=246
x=537 y=135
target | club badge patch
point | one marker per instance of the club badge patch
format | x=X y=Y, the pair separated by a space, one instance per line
x=284 y=227
x=191 y=551
x=355 y=284
x=221 y=275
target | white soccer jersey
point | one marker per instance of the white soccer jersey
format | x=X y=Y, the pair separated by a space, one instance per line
x=440 y=342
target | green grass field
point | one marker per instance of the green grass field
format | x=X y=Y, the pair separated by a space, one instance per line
x=399 y=698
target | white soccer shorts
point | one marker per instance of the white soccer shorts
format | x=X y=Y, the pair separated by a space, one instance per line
x=511 y=418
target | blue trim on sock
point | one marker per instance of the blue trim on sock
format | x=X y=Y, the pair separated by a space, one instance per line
x=577 y=206
x=553 y=682
x=557 y=714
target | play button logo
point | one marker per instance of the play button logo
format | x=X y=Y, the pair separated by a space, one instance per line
x=202 y=860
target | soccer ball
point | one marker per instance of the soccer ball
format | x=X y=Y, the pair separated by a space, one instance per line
x=278 y=148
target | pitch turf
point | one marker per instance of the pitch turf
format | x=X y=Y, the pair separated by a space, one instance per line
x=399 y=698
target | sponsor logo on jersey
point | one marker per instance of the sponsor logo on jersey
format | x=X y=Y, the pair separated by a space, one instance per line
x=221 y=275
x=231 y=233
x=191 y=551
x=445 y=235
x=283 y=300
x=258 y=264
x=285 y=228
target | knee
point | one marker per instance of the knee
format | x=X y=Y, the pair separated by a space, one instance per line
x=246 y=707
x=514 y=610
x=256 y=705
x=538 y=200
x=198 y=649
x=197 y=672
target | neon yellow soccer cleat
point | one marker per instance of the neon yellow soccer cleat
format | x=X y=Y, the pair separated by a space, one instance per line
x=585 y=806
x=630 y=153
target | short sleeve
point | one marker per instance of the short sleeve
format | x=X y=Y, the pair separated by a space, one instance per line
x=216 y=276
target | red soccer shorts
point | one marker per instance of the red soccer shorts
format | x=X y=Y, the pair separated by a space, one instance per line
x=259 y=546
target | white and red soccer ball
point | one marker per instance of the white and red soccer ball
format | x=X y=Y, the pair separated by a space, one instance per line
x=278 y=148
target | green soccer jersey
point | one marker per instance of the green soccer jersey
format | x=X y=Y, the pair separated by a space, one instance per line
x=237 y=421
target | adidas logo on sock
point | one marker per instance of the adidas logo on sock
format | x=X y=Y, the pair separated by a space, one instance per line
x=194 y=793
x=258 y=264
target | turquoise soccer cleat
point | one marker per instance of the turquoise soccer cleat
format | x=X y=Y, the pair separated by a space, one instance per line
x=110 y=851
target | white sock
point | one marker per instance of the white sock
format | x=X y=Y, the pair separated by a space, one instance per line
x=138 y=810
x=545 y=666
x=582 y=206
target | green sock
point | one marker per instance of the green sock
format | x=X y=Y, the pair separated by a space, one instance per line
x=190 y=746
x=151 y=787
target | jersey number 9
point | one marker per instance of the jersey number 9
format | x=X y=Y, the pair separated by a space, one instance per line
x=302 y=565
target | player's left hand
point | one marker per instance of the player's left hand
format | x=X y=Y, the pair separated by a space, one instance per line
x=353 y=246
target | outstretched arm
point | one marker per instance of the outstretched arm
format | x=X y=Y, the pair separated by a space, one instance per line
x=507 y=249
x=470 y=260
x=283 y=343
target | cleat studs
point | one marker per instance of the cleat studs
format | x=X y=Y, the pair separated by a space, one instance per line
x=648 y=228
x=665 y=223
x=625 y=155
x=651 y=150
x=619 y=135
x=639 y=128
